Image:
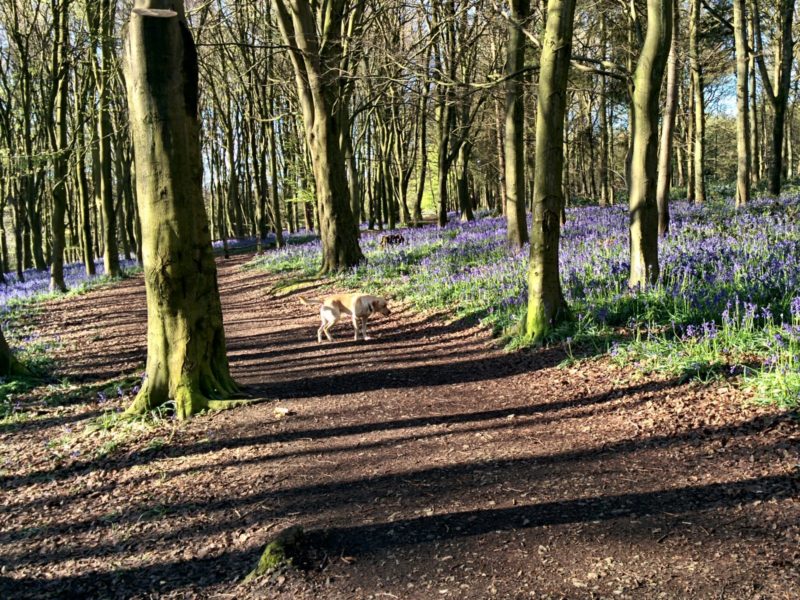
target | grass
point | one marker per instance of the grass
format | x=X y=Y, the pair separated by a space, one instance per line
x=727 y=304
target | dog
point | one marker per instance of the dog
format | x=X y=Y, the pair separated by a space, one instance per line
x=358 y=306
x=392 y=240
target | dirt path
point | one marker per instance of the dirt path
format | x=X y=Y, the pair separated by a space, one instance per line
x=424 y=464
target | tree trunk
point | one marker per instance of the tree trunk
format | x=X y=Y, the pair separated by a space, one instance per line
x=500 y=140
x=777 y=91
x=277 y=221
x=315 y=52
x=690 y=143
x=699 y=104
x=605 y=192
x=104 y=133
x=18 y=208
x=60 y=148
x=516 y=215
x=464 y=199
x=546 y=304
x=743 y=175
x=444 y=171
x=121 y=208
x=422 y=145
x=647 y=86
x=186 y=356
x=446 y=117
x=9 y=365
x=668 y=128
x=751 y=66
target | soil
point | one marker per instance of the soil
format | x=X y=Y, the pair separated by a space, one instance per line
x=426 y=463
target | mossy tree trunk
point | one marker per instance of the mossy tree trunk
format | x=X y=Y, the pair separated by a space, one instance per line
x=186 y=357
x=744 y=161
x=546 y=304
x=647 y=81
x=313 y=34
x=515 y=126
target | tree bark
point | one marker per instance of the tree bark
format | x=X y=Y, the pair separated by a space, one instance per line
x=546 y=304
x=777 y=92
x=516 y=214
x=755 y=174
x=668 y=128
x=647 y=79
x=104 y=133
x=699 y=104
x=315 y=53
x=462 y=186
x=743 y=162
x=60 y=149
x=186 y=356
x=422 y=147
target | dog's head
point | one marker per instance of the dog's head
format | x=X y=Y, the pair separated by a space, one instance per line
x=380 y=305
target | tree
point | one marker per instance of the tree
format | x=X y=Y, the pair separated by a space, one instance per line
x=777 y=91
x=515 y=126
x=699 y=102
x=742 y=100
x=647 y=78
x=668 y=128
x=313 y=32
x=186 y=355
x=101 y=21
x=457 y=29
x=58 y=137
x=546 y=304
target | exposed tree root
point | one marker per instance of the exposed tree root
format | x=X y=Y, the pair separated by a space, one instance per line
x=212 y=394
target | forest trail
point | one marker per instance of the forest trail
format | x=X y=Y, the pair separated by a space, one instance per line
x=425 y=464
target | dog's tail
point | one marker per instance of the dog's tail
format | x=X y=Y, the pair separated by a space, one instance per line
x=306 y=302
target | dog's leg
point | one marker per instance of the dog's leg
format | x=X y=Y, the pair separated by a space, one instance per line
x=364 y=329
x=322 y=324
x=355 y=326
x=329 y=319
x=332 y=320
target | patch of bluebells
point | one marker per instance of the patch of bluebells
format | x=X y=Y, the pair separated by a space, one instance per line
x=704 y=268
x=300 y=237
x=36 y=283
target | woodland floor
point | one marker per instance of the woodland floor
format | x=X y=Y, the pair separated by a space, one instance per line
x=424 y=464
